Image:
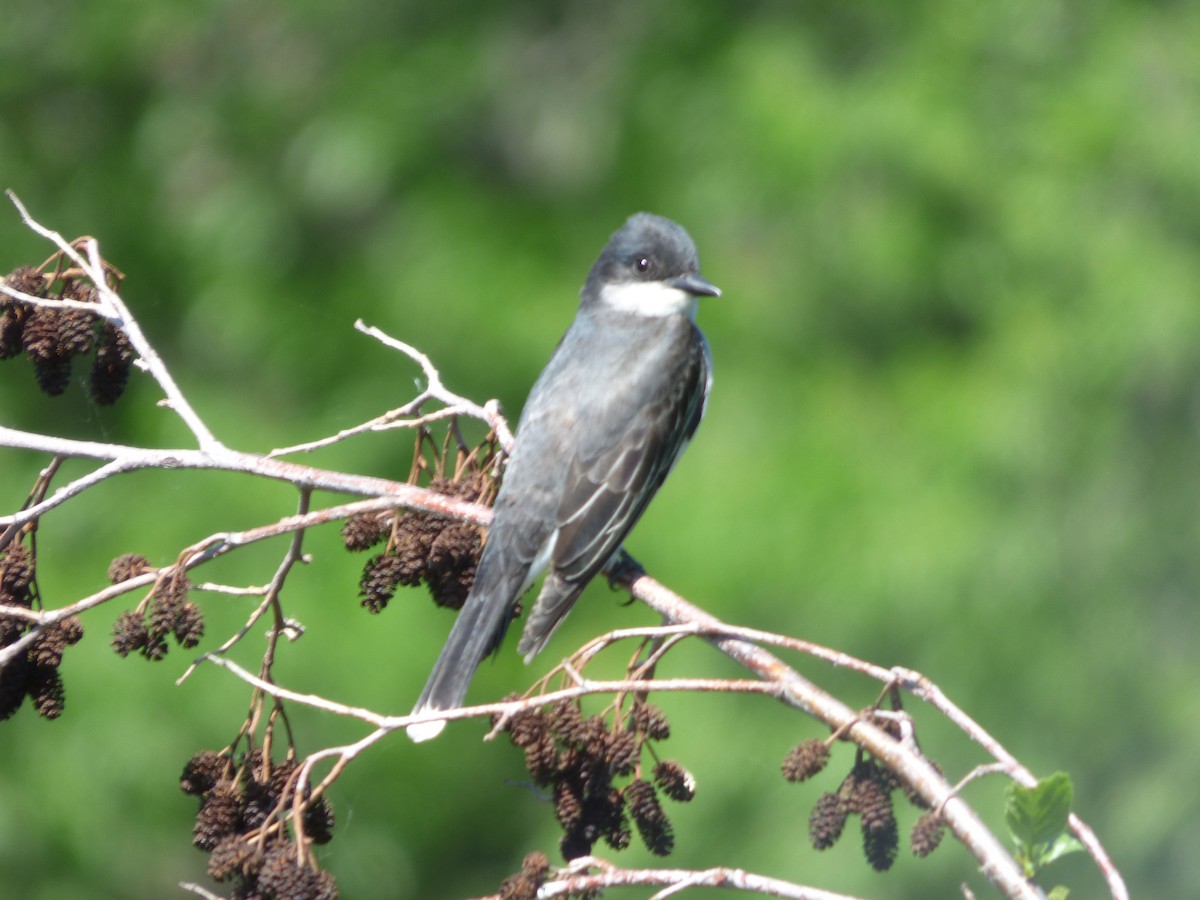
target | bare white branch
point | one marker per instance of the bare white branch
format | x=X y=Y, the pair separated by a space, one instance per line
x=490 y=412
x=123 y=459
x=678 y=880
x=114 y=308
x=200 y=890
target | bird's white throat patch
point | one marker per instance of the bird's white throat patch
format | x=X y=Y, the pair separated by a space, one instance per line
x=648 y=298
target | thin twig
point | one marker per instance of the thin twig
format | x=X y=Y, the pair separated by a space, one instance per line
x=115 y=309
x=993 y=857
x=678 y=880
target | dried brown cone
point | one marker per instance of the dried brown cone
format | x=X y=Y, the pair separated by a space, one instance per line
x=647 y=813
x=464 y=489
x=888 y=779
x=111 y=365
x=188 y=626
x=650 y=721
x=865 y=793
x=457 y=545
x=604 y=817
x=27 y=280
x=258 y=803
x=617 y=835
x=129 y=633
x=881 y=843
x=568 y=803
x=380 y=578
x=319 y=820
x=155 y=648
x=826 y=821
x=622 y=752
x=53 y=374
x=12 y=325
x=71 y=629
x=518 y=887
x=587 y=770
x=451 y=565
x=365 y=530
x=413 y=537
x=219 y=817
x=78 y=328
x=202 y=772
x=805 y=760
x=11 y=628
x=524 y=885
x=252 y=764
x=45 y=689
x=324 y=886
x=281 y=776
x=79 y=332
x=440 y=552
x=171 y=613
x=870 y=800
x=526 y=726
x=126 y=566
x=595 y=736
x=566 y=721
x=16 y=575
x=587 y=806
x=234 y=857
x=537 y=865
x=541 y=759
x=47 y=650
x=160 y=618
x=40 y=339
x=47 y=339
x=449 y=587
x=675 y=781
x=14 y=680
x=854 y=787
x=14 y=313
x=282 y=878
x=81 y=291
x=173 y=588
x=927 y=833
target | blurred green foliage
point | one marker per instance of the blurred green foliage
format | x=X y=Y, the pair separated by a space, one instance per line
x=954 y=425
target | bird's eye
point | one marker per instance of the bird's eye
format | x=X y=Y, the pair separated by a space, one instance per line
x=643 y=264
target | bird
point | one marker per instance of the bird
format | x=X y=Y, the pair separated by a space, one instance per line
x=604 y=424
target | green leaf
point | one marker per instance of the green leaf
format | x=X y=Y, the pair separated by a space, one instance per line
x=1037 y=820
x=1038 y=815
x=1065 y=843
x=1058 y=893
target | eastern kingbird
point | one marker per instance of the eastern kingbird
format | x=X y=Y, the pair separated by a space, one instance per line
x=605 y=422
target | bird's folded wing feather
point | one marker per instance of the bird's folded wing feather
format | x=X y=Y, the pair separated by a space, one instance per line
x=611 y=485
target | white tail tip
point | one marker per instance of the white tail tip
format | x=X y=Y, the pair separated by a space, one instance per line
x=425 y=731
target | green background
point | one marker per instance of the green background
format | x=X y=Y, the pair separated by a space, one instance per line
x=954 y=423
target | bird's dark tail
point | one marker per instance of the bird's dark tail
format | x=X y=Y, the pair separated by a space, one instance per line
x=477 y=631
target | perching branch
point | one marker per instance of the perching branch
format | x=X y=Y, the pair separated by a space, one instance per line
x=887 y=736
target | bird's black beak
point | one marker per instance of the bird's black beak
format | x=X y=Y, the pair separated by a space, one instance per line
x=695 y=285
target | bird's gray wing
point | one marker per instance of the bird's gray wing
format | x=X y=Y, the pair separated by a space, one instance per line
x=609 y=485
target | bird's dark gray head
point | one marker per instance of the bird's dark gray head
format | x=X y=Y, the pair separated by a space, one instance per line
x=649 y=267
